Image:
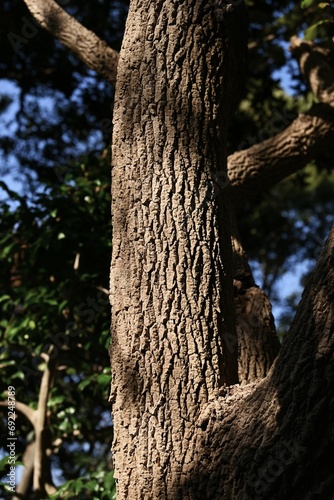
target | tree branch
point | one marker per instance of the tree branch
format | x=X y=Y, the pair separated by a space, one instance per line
x=41 y=474
x=85 y=44
x=277 y=453
x=258 y=344
x=314 y=66
x=28 y=412
x=259 y=168
x=262 y=166
x=24 y=486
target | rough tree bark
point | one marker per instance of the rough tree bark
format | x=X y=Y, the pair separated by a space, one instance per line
x=253 y=169
x=179 y=78
x=179 y=433
x=85 y=44
x=258 y=344
x=274 y=440
x=261 y=167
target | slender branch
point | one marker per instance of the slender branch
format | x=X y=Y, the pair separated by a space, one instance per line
x=24 y=486
x=85 y=44
x=28 y=412
x=314 y=66
x=41 y=474
x=259 y=168
x=103 y=290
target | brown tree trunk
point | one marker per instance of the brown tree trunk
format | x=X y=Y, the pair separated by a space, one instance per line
x=179 y=432
x=179 y=76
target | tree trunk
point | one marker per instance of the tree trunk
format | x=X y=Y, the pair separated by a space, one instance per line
x=179 y=77
x=180 y=433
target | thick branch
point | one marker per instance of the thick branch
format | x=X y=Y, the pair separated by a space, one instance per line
x=273 y=440
x=258 y=344
x=259 y=168
x=315 y=67
x=85 y=44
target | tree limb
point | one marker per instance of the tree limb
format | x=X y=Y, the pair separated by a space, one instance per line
x=41 y=474
x=258 y=344
x=28 y=412
x=259 y=168
x=262 y=166
x=315 y=68
x=85 y=44
x=269 y=433
x=24 y=486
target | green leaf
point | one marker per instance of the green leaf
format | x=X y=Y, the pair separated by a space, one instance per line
x=77 y=485
x=62 y=305
x=84 y=383
x=103 y=379
x=3 y=463
x=4 y=297
x=7 y=363
x=92 y=485
x=307 y=3
x=313 y=31
x=51 y=302
x=56 y=400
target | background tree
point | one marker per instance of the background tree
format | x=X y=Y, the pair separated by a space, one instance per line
x=73 y=121
x=55 y=321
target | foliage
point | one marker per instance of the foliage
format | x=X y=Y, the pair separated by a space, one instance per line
x=55 y=253
x=99 y=486
x=61 y=108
